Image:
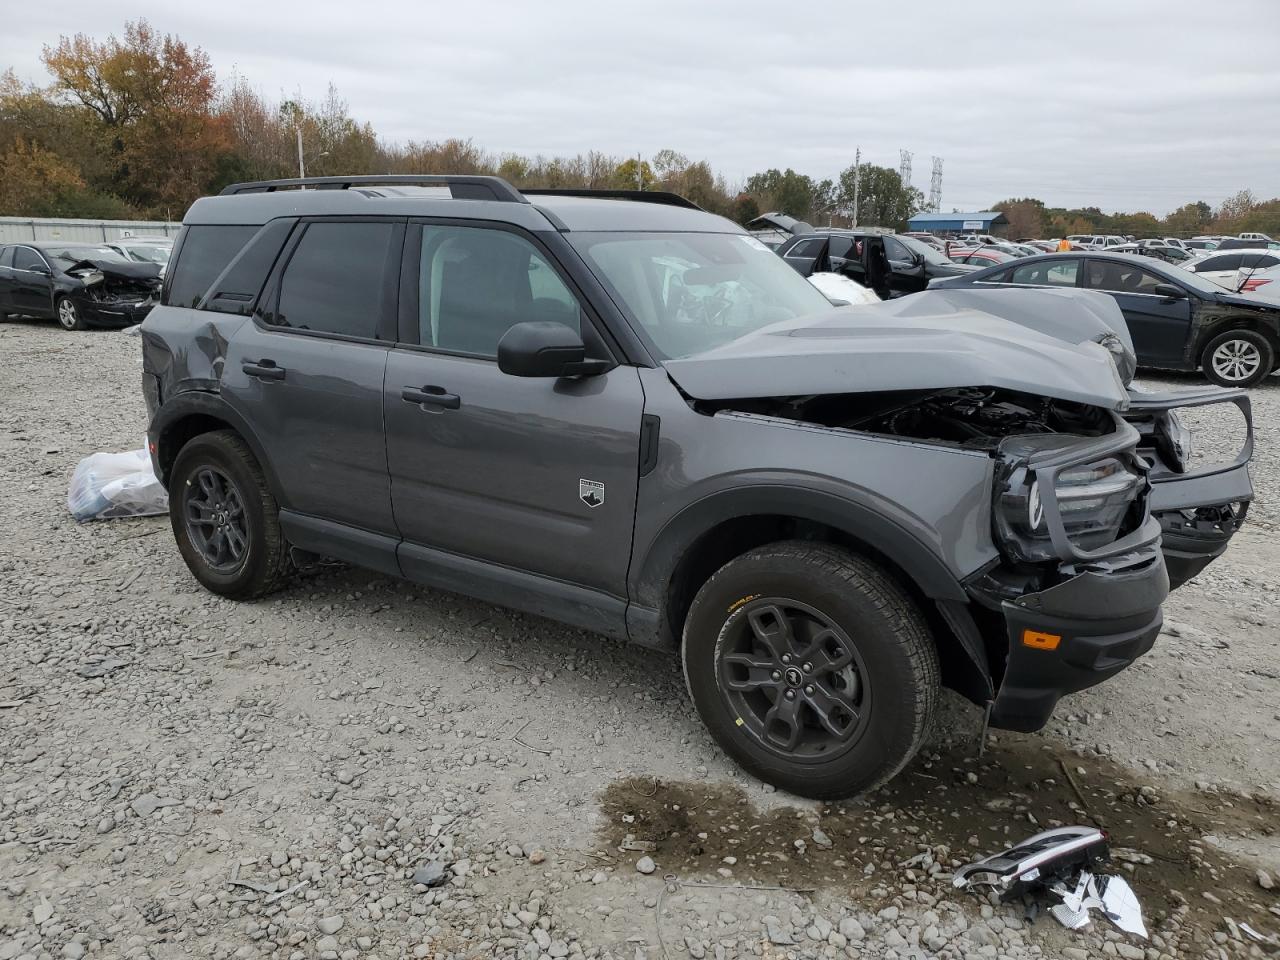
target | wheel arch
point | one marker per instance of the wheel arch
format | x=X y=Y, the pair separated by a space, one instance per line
x=190 y=414
x=1253 y=321
x=707 y=534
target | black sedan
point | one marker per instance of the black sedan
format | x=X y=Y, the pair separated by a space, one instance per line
x=890 y=264
x=1178 y=321
x=78 y=284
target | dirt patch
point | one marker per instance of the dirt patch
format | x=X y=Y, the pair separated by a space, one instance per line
x=948 y=809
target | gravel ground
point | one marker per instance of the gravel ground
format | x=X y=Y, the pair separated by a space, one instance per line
x=360 y=768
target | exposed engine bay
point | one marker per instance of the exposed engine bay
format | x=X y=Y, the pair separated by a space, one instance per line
x=111 y=282
x=975 y=417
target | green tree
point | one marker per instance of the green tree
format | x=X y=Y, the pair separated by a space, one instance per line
x=783 y=191
x=883 y=199
x=1026 y=216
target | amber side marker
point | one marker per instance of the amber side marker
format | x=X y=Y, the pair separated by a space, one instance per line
x=1040 y=641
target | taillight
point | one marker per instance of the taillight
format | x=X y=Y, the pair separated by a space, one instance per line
x=1254 y=283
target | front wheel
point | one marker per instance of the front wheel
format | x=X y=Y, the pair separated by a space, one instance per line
x=69 y=317
x=1238 y=358
x=811 y=667
x=224 y=518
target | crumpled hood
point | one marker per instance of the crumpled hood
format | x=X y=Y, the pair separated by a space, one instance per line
x=119 y=269
x=921 y=342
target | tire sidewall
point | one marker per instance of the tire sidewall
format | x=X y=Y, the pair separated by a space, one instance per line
x=1265 y=351
x=210 y=451
x=895 y=697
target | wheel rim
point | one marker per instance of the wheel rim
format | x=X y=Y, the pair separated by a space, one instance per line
x=794 y=680
x=1236 y=360
x=66 y=313
x=215 y=519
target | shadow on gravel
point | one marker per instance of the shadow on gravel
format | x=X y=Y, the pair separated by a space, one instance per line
x=957 y=807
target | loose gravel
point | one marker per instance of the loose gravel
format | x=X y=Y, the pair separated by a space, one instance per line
x=359 y=768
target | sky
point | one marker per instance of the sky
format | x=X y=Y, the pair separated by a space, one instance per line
x=1124 y=104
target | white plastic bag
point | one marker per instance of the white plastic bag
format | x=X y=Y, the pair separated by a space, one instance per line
x=110 y=485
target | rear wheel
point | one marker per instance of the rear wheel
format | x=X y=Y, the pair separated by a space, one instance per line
x=69 y=317
x=1238 y=358
x=811 y=667
x=224 y=518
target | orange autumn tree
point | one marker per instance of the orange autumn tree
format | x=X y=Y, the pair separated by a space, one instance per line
x=150 y=100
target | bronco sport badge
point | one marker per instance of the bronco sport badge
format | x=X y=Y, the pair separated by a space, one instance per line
x=591 y=492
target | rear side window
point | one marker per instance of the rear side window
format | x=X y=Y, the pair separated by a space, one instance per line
x=206 y=251
x=334 y=281
x=6 y=256
x=1228 y=261
x=1052 y=273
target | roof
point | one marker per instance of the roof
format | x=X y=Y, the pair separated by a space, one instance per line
x=481 y=198
x=986 y=216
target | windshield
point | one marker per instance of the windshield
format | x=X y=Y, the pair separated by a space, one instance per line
x=148 y=254
x=930 y=254
x=692 y=292
x=73 y=252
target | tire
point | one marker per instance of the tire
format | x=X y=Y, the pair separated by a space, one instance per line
x=68 y=315
x=886 y=691
x=1237 y=358
x=218 y=496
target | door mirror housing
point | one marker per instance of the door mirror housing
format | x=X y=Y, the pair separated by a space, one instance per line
x=1170 y=291
x=41 y=269
x=543 y=348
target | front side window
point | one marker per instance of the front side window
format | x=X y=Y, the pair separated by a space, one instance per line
x=1048 y=273
x=1116 y=277
x=6 y=256
x=476 y=283
x=692 y=292
x=24 y=258
x=333 y=282
x=896 y=251
x=206 y=250
x=807 y=248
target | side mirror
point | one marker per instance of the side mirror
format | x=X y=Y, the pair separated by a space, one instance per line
x=1170 y=291
x=542 y=348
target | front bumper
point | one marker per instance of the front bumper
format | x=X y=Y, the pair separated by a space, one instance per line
x=112 y=313
x=1105 y=620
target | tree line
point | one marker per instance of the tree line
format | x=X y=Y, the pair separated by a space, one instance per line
x=139 y=126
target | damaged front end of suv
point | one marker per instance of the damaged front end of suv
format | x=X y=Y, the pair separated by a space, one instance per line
x=1059 y=562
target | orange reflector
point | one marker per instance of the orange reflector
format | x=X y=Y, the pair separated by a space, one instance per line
x=1040 y=641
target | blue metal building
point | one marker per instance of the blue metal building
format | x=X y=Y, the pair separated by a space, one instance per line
x=954 y=224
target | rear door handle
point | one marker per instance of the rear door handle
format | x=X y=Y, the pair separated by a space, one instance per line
x=436 y=396
x=264 y=370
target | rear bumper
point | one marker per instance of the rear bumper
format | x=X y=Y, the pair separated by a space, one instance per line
x=1105 y=621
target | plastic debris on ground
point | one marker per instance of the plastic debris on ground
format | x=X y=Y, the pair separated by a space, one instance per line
x=106 y=486
x=1063 y=865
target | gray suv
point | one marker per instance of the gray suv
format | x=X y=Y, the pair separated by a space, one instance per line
x=621 y=412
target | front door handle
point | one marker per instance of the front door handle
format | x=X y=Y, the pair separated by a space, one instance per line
x=436 y=396
x=264 y=370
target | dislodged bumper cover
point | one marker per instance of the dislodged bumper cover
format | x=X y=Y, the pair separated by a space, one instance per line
x=922 y=342
x=1102 y=620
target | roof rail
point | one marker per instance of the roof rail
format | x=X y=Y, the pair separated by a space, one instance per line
x=463 y=187
x=642 y=196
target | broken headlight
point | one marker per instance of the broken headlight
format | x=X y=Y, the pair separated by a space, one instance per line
x=1173 y=441
x=1094 y=500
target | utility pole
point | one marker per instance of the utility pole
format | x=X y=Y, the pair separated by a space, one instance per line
x=302 y=170
x=639 y=173
x=857 y=176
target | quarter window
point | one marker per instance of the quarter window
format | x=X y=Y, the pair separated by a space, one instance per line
x=6 y=256
x=475 y=284
x=807 y=248
x=1048 y=273
x=333 y=282
x=206 y=251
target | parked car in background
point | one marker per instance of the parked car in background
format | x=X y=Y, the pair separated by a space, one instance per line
x=1236 y=243
x=1232 y=268
x=143 y=249
x=890 y=264
x=936 y=242
x=1161 y=251
x=1175 y=242
x=1044 y=246
x=1262 y=283
x=980 y=256
x=1178 y=320
x=1200 y=244
x=1257 y=236
x=78 y=284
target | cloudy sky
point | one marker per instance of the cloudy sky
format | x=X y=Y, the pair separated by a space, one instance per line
x=1137 y=105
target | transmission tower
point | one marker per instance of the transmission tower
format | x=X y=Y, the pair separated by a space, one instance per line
x=904 y=167
x=935 y=186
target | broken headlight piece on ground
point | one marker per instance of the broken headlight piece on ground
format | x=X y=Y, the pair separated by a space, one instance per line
x=1061 y=864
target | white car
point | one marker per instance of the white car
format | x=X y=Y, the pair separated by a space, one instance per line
x=1233 y=268
x=1257 y=236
